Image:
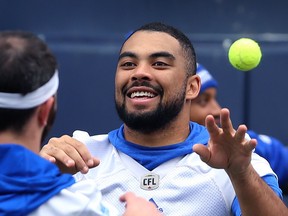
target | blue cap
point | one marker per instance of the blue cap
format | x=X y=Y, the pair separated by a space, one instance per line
x=207 y=80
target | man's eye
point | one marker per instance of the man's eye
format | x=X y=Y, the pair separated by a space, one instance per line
x=159 y=64
x=128 y=64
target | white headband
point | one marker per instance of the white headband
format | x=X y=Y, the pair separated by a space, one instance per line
x=32 y=99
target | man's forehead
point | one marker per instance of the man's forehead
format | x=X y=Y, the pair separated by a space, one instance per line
x=152 y=41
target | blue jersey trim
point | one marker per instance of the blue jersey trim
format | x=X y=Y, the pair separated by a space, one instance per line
x=152 y=157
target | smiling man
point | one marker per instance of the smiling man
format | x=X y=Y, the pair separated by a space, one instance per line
x=158 y=153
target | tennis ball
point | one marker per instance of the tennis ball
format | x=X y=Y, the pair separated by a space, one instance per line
x=244 y=54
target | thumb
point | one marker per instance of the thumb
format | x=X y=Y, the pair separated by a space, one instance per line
x=203 y=152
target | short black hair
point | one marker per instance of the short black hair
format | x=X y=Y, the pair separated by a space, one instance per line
x=185 y=43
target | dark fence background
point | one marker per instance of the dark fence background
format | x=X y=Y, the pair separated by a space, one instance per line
x=86 y=36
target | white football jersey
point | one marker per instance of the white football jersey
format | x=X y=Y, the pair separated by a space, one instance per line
x=181 y=186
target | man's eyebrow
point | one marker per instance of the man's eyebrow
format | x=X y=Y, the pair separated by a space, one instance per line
x=162 y=54
x=127 y=54
x=153 y=55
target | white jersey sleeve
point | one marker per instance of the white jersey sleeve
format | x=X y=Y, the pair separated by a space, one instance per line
x=82 y=198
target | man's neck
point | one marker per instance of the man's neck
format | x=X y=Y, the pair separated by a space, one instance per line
x=28 y=140
x=163 y=137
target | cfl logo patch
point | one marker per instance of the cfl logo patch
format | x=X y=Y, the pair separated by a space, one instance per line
x=150 y=181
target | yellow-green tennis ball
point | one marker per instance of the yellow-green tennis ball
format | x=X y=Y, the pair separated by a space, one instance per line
x=244 y=54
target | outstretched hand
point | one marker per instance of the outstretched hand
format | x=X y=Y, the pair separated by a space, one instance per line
x=227 y=149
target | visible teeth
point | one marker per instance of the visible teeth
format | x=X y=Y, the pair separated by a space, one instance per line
x=142 y=94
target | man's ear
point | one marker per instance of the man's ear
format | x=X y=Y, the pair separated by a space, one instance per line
x=44 y=111
x=193 y=87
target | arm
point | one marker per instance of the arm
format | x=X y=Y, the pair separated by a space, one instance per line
x=69 y=154
x=228 y=149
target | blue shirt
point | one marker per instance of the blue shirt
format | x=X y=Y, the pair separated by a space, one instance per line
x=275 y=152
x=27 y=180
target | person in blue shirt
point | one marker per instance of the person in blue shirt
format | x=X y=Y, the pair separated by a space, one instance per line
x=29 y=184
x=271 y=148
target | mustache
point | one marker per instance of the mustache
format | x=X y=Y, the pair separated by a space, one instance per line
x=157 y=89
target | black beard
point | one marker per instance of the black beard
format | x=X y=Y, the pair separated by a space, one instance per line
x=156 y=120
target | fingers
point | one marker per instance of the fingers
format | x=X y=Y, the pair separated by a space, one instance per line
x=240 y=137
x=138 y=206
x=46 y=156
x=240 y=133
x=76 y=151
x=127 y=196
x=52 y=151
x=70 y=153
x=226 y=123
x=211 y=126
x=228 y=148
x=252 y=144
x=203 y=152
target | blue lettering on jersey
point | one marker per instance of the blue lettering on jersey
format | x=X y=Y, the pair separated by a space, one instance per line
x=151 y=200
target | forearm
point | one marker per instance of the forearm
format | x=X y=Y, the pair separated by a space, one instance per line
x=255 y=196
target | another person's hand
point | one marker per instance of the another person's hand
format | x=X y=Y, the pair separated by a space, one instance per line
x=69 y=155
x=138 y=206
x=227 y=149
